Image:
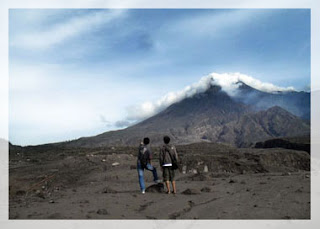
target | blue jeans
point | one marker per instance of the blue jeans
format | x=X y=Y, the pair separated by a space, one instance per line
x=141 y=171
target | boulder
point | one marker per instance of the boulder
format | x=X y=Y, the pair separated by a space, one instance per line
x=155 y=188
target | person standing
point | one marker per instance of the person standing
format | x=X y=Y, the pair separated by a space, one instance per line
x=168 y=161
x=144 y=162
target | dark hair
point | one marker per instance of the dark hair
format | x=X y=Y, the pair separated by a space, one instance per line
x=166 y=139
x=146 y=141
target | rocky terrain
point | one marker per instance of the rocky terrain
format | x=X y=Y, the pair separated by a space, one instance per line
x=215 y=181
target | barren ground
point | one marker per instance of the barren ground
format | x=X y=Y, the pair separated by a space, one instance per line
x=88 y=186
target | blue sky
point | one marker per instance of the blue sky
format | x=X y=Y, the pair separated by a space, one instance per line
x=78 y=72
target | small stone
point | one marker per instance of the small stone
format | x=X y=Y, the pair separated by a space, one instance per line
x=108 y=190
x=102 y=212
x=206 y=189
x=190 y=191
x=184 y=169
x=115 y=164
x=51 y=201
x=205 y=169
x=20 y=193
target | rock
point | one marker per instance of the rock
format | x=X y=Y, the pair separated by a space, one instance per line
x=115 y=164
x=191 y=191
x=103 y=160
x=184 y=169
x=194 y=171
x=40 y=194
x=155 y=188
x=108 y=190
x=51 y=202
x=102 y=212
x=232 y=181
x=205 y=169
x=307 y=176
x=191 y=203
x=133 y=167
x=20 y=193
x=206 y=189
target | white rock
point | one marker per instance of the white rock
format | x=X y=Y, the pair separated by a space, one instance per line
x=115 y=164
x=205 y=169
x=184 y=169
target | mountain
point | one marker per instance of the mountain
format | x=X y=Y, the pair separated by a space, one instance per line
x=274 y=122
x=215 y=116
x=298 y=103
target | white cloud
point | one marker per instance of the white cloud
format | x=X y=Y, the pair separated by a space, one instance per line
x=60 y=32
x=229 y=83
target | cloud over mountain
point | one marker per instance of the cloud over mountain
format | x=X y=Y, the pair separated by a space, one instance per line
x=229 y=82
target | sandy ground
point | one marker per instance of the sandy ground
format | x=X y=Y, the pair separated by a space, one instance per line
x=89 y=187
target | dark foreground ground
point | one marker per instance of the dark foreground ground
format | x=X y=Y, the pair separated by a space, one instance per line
x=215 y=182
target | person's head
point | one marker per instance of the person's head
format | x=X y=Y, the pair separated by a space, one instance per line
x=146 y=141
x=166 y=139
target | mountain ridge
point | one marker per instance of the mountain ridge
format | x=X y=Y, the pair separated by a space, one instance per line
x=211 y=116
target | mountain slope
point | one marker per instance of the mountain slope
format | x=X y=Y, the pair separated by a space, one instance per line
x=212 y=116
x=274 y=122
x=298 y=103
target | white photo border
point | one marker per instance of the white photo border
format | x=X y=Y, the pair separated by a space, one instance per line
x=314 y=222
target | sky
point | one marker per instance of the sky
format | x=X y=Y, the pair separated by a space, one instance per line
x=78 y=72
